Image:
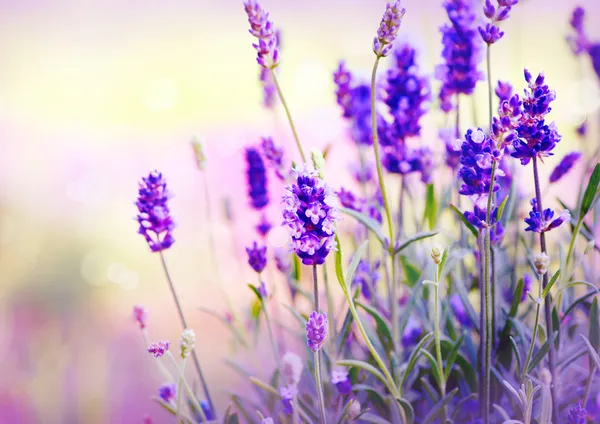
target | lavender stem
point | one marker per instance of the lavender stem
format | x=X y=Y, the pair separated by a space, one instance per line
x=318 y=352
x=289 y=115
x=548 y=303
x=185 y=326
x=270 y=328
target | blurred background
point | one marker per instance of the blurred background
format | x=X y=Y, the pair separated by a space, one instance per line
x=94 y=94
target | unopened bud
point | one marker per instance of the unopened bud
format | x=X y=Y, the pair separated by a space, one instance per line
x=541 y=261
x=437 y=251
x=187 y=342
x=199 y=153
x=318 y=161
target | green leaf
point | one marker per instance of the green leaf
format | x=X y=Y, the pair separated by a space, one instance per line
x=408 y=410
x=414 y=357
x=541 y=353
x=419 y=236
x=443 y=262
x=460 y=216
x=434 y=366
x=438 y=407
x=297 y=267
x=362 y=365
x=514 y=307
x=256 y=308
x=371 y=224
x=550 y=284
x=577 y=302
x=594 y=332
x=501 y=208
x=452 y=356
x=590 y=192
x=468 y=371
x=256 y=292
x=383 y=325
x=339 y=272
x=593 y=354
x=430 y=212
x=354 y=262
x=344 y=332
x=515 y=349
x=411 y=272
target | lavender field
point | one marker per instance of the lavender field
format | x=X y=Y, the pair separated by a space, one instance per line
x=317 y=212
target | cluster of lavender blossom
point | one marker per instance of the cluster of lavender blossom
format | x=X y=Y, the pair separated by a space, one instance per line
x=426 y=333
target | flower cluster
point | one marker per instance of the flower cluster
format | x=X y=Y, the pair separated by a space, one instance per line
x=187 y=342
x=490 y=33
x=154 y=217
x=577 y=415
x=256 y=174
x=388 y=28
x=266 y=79
x=263 y=29
x=257 y=257
x=462 y=52
x=159 y=348
x=274 y=155
x=316 y=330
x=140 y=315
x=339 y=377
x=310 y=217
x=579 y=41
x=564 y=166
x=168 y=392
x=540 y=222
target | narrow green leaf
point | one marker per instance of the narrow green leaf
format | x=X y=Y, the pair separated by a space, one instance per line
x=443 y=263
x=515 y=349
x=468 y=371
x=577 y=302
x=594 y=332
x=362 y=365
x=383 y=325
x=411 y=272
x=541 y=353
x=590 y=192
x=419 y=236
x=550 y=284
x=434 y=366
x=460 y=216
x=354 y=262
x=501 y=208
x=514 y=307
x=256 y=292
x=339 y=272
x=371 y=224
x=374 y=419
x=408 y=410
x=414 y=357
x=593 y=354
x=452 y=356
x=344 y=332
x=438 y=407
x=556 y=324
x=430 y=212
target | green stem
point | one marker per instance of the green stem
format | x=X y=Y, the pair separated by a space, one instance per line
x=438 y=345
x=534 y=335
x=189 y=391
x=318 y=352
x=572 y=244
x=270 y=328
x=289 y=115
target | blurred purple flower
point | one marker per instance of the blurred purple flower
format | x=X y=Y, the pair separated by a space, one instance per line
x=459 y=311
x=140 y=315
x=366 y=277
x=274 y=155
x=167 y=392
x=154 y=217
x=388 y=28
x=504 y=90
x=339 y=377
x=287 y=394
x=257 y=257
x=316 y=330
x=578 y=42
x=264 y=226
x=412 y=333
x=564 y=166
x=159 y=348
x=256 y=174
x=577 y=415
x=263 y=29
x=349 y=200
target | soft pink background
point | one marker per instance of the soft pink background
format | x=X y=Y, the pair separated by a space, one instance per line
x=93 y=94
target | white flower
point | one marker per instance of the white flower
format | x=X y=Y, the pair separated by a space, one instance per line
x=187 y=342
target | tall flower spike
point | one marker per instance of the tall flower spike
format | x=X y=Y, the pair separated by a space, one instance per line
x=266 y=79
x=154 y=217
x=263 y=29
x=490 y=33
x=564 y=166
x=257 y=257
x=316 y=330
x=256 y=174
x=310 y=217
x=140 y=315
x=388 y=28
x=274 y=155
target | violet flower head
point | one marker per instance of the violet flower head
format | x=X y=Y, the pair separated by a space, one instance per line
x=452 y=145
x=158 y=349
x=459 y=311
x=256 y=175
x=342 y=79
x=140 y=315
x=412 y=333
x=154 y=217
x=504 y=90
x=490 y=33
x=267 y=81
x=316 y=330
x=287 y=394
x=274 y=156
x=257 y=257
x=594 y=52
x=264 y=226
x=462 y=52
x=168 y=392
x=578 y=41
x=339 y=377
x=263 y=29
x=582 y=129
x=349 y=200
x=388 y=28
x=564 y=166
x=527 y=282
x=539 y=222
x=577 y=415
x=282 y=260
x=309 y=215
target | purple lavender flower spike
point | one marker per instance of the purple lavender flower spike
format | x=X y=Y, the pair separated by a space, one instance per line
x=158 y=349
x=459 y=311
x=577 y=415
x=263 y=29
x=349 y=200
x=412 y=333
x=168 y=392
x=316 y=330
x=578 y=42
x=154 y=217
x=388 y=28
x=582 y=129
x=342 y=78
x=257 y=257
x=287 y=394
x=542 y=222
x=564 y=166
x=140 y=315
x=594 y=52
x=266 y=79
x=339 y=377
x=310 y=217
x=490 y=33
x=264 y=226
x=274 y=156
x=256 y=174
x=504 y=90
x=527 y=282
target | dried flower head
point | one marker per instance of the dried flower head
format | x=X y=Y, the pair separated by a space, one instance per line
x=187 y=342
x=159 y=348
x=541 y=261
x=154 y=217
x=388 y=28
x=140 y=315
x=437 y=251
x=316 y=330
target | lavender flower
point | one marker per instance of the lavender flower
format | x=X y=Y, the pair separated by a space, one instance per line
x=257 y=179
x=366 y=277
x=310 y=217
x=527 y=282
x=287 y=394
x=140 y=315
x=491 y=33
x=274 y=155
x=316 y=330
x=361 y=174
x=452 y=145
x=412 y=333
x=263 y=29
x=578 y=42
x=342 y=79
x=257 y=257
x=462 y=52
x=541 y=222
x=266 y=79
x=264 y=226
x=154 y=217
x=459 y=311
x=339 y=377
x=282 y=260
x=594 y=52
x=577 y=415
x=168 y=392
x=291 y=368
x=504 y=90
x=349 y=200
x=388 y=28
x=158 y=349
x=564 y=166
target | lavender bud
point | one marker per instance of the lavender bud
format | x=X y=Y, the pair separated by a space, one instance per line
x=156 y=224
x=541 y=261
x=564 y=166
x=388 y=28
x=577 y=415
x=437 y=252
x=187 y=342
x=140 y=315
x=316 y=330
x=257 y=257
x=158 y=349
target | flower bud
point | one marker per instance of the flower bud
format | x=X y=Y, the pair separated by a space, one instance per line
x=437 y=251
x=187 y=342
x=541 y=261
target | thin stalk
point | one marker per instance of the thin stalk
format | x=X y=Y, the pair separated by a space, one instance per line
x=386 y=204
x=548 y=303
x=572 y=244
x=318 y=352
x=534 y=335
x=269 y=327
x=330 y=309
x=179 y=383
x=400 y=208
x=494 y=283
x=482 y=324
x=188 y=389
x=289 y=115
x=185 y=326
x=438 y=345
